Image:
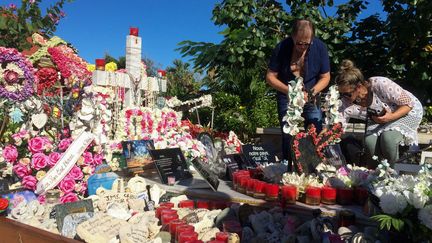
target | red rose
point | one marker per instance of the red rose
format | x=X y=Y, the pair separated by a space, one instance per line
x=4 y=204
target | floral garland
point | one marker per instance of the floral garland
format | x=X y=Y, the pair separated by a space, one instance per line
x=16 y=80
x=331 y=106
x=296 y=101
x=232 y=145
x=145 y=122
x=206 y=101
x=32 y=155
x=47 y=78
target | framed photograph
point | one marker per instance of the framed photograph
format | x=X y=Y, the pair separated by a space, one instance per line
x=426 y=157
x=136 y=153
x=170 y=162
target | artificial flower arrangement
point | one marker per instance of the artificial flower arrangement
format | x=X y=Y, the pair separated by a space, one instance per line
x=163 y=126
x=31 y=154
x=296 y=101
x=200 y=102
x=331 y=106
x=404 y=201
x=58 y=66
x=301 y=181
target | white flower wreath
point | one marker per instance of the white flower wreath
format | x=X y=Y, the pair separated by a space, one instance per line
x=296 y=102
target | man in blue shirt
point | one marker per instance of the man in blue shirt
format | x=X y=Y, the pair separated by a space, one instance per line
x=300 y=55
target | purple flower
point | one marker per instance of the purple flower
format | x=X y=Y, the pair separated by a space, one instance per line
x=32 y=1
x=10 y=55
x=62 y=13
x=12 y=6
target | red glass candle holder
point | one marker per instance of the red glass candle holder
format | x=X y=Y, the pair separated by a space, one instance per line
x=166 y=204
x=167 y=218
x=272 y=192
x=313 y=195
x=186 y=204
x=222 y=236
x=360 y=195
x=217 y=241
x=203 y=204
x=242 y=183
x=235 y=177
x=289 y=194
x=218 y=205
x=250 y=187
x=187 y=236
x=345 y=196
x=159 y=210
x=328 y=195
x=183 y=228
x=133 y=31
x=100 y=64
x=173 y=226
x=259 y=189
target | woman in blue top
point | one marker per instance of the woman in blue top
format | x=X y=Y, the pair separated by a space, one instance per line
x=300 y=55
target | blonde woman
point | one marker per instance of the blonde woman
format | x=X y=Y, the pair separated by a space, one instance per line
x=393 y=113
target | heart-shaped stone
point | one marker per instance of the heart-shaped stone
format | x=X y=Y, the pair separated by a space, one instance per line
x=39 y=120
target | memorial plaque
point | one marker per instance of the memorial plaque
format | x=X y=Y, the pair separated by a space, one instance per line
x=134 y=233
x=136 y=153
x=258 y=154
x=62 y=210
x=100 y=228
x=207 y=140
x=333 y=155
x=206 y=173
x=71 y=221
x=308 y=159
x=232 y=165
x=170 y=162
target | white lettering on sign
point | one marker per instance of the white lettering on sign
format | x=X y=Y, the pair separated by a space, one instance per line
x=65 y=164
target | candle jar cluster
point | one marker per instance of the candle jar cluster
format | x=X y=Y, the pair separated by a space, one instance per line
x=180 y=231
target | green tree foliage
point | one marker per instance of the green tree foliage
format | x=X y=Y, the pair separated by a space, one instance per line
x=182 y=81
x=398 y=46
x=19 y=23
x=121 y=63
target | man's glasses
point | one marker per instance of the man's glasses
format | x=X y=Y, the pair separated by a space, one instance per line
x=301 y=43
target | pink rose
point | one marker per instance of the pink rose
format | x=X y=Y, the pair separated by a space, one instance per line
x=53 y=158
x=343 y=171
x=88 y=158
x=39 y=161
x=41 y=199
x=76 y=173
x=64 y=144
x=67 y=184
x=29 y=182
x=36 y=144
x=69 y=197
x=10 y=153
x=97 y=159
x=21 y=170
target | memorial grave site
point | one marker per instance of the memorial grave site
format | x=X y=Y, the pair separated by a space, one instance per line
x=123 y=150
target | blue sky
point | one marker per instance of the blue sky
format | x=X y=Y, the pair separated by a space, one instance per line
x=96 y=27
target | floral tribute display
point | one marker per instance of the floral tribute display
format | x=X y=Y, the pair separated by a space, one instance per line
x=58 y=63
x=405 y=201
x=296 y=102
x=31 y=155
x=16 y=75
x=331 y=106
x=163 y=126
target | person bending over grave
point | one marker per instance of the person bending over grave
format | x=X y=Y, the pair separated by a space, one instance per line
x=300 y=55
x=392 y=113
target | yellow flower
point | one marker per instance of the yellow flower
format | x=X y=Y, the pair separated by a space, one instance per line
x=241 y=107
x=428 y=48
x=111 y=67
x=40 y=174
x=91 y=67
